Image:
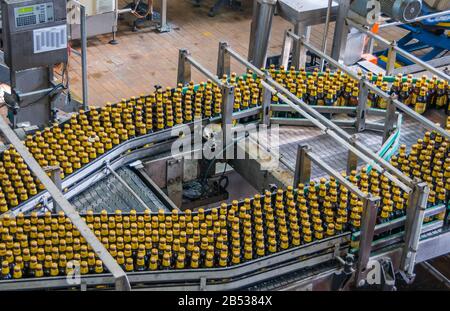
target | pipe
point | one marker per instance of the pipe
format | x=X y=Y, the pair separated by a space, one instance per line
x=84 y=76
x=417 y=19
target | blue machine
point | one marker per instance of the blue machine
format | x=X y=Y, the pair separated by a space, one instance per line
x=431 y=33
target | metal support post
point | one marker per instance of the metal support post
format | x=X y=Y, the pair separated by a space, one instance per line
x=361 y=109
x=341 y=30
x=390 y=120
x=55 y=175
x=302 y=172
x=417 y=204
x=299 y=50
x=223 y=60
x=121 y=279
x=163 y=26
x=267 y=101
x=184 y=67
x=352 y=158
x=261 y=26
x=227 y=112
x=368 y=221
x=288 y=42
x=391 y=57
x=84 y=75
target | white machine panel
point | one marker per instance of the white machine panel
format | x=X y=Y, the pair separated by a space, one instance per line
x=50 y=38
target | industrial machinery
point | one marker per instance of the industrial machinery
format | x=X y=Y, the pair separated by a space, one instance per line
x=34 y=40
x=103 y=16
x=142 y=234
x=429 y=35
x=304 y=14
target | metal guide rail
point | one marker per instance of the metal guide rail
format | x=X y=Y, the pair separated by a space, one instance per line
x=228 y=278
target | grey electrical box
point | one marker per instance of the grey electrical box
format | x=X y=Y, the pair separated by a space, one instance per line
x=34 y=33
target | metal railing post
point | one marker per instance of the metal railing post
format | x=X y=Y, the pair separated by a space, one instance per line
x=352 y=158
x=84 y=75
x=302 y=172
x=286 y=49
x=184 y=67
x=368 y=221
x=390 y=120
x=223 y=60
x=341 y=30
x=263 y=11
x=361 y=109
x=227 y=113
x=266 y=103
x=299 y=50
x=417 y=204
x=391 y=57
x=55 y=176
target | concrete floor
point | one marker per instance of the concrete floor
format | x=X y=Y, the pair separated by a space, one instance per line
x=145 y=58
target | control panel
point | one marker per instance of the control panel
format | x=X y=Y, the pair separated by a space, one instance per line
x=34 y=14
x=34 y=33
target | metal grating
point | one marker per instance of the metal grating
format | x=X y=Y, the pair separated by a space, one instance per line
x=333 y=153
x=109 y=194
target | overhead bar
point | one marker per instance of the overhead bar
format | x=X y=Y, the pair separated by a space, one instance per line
x=417 y=19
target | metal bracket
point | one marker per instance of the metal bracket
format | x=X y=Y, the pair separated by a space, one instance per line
x=55 y=176
x=203 y=283
x=227 y=113
x=391 y=57
x=302 y=166
x=184 y=67
x=267 y=101
x=342 y=277
x=368 y=221
x=223 y=60
x=413 y=226
x=286 y=49
x=361 y=109
x=390 y=119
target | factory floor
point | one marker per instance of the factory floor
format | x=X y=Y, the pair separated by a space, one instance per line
x=145 y=58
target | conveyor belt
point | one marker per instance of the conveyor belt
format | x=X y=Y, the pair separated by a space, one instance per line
x=335 y=154
x=109 y=194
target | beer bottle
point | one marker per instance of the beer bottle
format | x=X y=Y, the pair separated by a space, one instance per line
x=194 y=262
x=17 y=272
x=441 y=96
x=382 y=102
x=140 y=262
x=421 y=101
x=38 y=272
x=129 y=267
x=6 y=275
x=153 y=263
x=166 y=261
